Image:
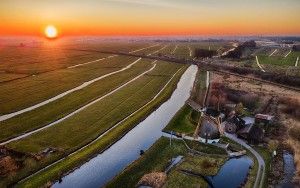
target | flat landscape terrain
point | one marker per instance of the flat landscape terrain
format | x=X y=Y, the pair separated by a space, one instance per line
x=64 y=103
x=56 y=91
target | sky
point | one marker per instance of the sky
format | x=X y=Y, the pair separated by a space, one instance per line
x=151 y=17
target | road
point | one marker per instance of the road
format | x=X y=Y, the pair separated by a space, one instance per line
x=80 y=109
x=261 y=163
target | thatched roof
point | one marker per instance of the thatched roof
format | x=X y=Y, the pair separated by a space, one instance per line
x=209 y=129
x=155 y=180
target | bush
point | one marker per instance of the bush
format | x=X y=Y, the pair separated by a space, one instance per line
x=291 y=107
x=206 y=164
x=294 y=132
x=202 y=53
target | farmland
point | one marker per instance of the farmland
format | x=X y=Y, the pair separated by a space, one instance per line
x=75 y=100
x=278 y=60
x=85 y=113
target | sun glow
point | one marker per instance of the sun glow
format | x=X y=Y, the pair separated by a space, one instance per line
x=51 y=32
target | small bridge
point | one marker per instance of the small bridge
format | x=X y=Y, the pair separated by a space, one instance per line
x=195 y=105
x=237 y=154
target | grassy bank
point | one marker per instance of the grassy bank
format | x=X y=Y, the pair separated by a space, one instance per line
x=267 y=156
x=185 y=121
x=57 y=109
x=55 y=171
x=156 y=159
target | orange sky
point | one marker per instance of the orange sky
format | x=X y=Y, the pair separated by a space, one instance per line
x=151 y=17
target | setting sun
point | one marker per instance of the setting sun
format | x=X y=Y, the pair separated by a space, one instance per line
x=51 y=32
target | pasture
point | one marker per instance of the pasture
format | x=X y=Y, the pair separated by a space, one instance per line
x=110 y=89
x=280 y=59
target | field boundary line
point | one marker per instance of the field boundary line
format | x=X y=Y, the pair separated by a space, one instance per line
x=273 y=53
x=173 y=52
x=258 y=64
x=157 y=50
x=78 y=110
x=94 y=61
x=191 y=52
x=85 y=84
x=143 y=48
x=288 y=54
x=97 y=60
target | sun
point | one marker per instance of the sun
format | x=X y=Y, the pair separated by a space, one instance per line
x=51 y=32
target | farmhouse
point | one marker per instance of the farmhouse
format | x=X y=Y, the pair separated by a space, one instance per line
x=209 y=130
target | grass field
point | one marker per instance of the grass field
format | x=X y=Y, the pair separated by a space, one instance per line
x=208 y=45
x=199 y=90
x=63 y=106
x=4 y=77
x=185 y=121
x=67 y=164
x=38 y=60
x=182 y=51
x=280 y=60
x=50 y=84
x=94 y=120
x=109 y=111
x=47 y=85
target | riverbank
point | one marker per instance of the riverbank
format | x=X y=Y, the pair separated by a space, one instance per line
x=57 y=170
x=157 y=159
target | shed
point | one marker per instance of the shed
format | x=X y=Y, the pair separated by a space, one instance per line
x=263 y=118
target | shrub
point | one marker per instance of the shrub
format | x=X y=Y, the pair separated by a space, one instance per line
x=294 y=132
